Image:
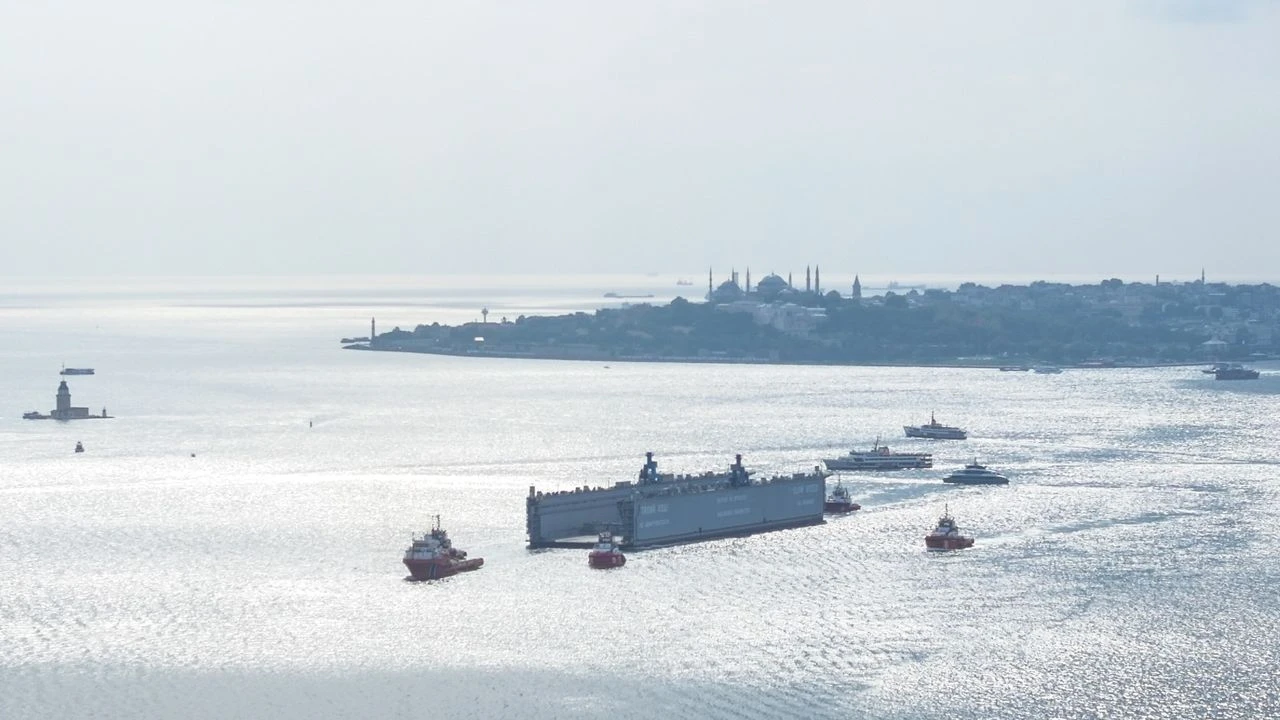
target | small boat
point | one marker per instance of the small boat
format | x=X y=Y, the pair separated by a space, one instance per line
x=33 y=415
x=1014 y=368
x=1234 y=371
x=1047 y=369
x=879 y=457
x=935 y=430
x=975 y=474
x=79 y=447
x=606 y=553
x=432 y=556
x=840 y=501
x=75 y=371
x=947 y=535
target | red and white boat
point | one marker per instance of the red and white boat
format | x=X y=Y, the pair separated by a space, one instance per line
x=433 y=556
x=606 y=553
x=947 y=535
x=839 y=500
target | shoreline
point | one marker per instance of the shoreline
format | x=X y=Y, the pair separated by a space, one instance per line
x=699 y=360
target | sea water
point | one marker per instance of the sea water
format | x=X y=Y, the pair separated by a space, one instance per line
x=229 y=544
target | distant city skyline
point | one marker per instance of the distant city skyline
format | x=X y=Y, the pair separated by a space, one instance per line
x=1002 y=139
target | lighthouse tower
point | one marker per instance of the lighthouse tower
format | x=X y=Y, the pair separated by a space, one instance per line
x=63 y=400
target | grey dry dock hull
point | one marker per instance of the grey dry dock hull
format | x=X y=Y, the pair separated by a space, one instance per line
x=675 y=512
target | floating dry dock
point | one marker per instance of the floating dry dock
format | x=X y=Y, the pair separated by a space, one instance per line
x=658 y=509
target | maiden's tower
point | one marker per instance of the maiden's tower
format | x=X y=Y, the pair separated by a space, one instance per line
x=63 y=409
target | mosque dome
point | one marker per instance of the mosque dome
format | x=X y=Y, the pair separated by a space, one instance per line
x=727 y=292
x=771 y=285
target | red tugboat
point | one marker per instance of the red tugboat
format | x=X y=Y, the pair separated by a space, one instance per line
x=606 y=554
x=947 y=535
x=839 y=501
x=433 y=556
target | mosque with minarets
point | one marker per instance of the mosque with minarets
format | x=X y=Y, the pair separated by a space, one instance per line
x=772 y=287
x=774 y=300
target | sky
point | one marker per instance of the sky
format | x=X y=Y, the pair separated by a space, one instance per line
x=991 y=137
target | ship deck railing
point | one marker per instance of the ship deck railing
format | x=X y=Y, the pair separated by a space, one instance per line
x=674 y=484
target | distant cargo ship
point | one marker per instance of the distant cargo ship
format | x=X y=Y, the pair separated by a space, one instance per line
x=664 y=509
x=75 y=371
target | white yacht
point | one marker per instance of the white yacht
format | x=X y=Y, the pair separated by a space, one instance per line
x=975 y=474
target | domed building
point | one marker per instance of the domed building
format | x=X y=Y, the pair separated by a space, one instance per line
x=729 y=291
x=771 y=286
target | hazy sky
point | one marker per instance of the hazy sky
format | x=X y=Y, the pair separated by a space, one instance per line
x=984 y=137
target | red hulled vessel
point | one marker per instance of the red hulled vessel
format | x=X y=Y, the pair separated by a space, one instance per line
x=947 y=535
x=839 y=501
x=606 y=553
x=433 y=556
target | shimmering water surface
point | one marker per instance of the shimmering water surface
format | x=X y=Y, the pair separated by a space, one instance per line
x=1128 y=570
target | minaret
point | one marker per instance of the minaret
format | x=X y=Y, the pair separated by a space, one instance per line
x=789 y=282
x=63 y=399
x=748 y=287
x=857 y=288
x=1201 y=276
x=709 y=281
x=817 y=280
x=373 y=329
x=807 y=286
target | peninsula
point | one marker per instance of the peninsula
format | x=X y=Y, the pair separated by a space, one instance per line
x=1111 y=323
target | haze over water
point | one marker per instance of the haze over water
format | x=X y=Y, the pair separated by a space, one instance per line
x=1126 y=571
